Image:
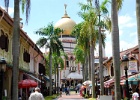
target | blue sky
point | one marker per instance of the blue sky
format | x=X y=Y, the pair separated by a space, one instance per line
x=44 y=12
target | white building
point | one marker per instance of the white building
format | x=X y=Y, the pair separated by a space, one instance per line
x=71 y=74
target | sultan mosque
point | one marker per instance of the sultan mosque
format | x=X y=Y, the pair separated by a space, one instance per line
x=71 y=75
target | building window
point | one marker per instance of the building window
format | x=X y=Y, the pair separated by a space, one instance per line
x=112 y=70
x=26 y=56
x=4 y=41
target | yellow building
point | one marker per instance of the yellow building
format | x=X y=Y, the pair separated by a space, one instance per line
x=31 y=60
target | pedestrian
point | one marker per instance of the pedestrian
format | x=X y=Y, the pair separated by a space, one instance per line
x=68 y=90
x=36 y=95
x=135 y=95
x=76 y=89
x=60 y=91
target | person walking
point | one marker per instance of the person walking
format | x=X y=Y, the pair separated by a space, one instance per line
x=60 y=91
x=135 y=95
x=36 y=95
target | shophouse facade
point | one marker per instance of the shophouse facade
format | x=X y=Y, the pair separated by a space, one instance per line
x=128 y=59
x=31 y=59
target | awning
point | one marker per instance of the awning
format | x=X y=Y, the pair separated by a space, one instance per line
x=131 y=80
x=108 y=83
x=74 y=75
x=34 y=77
x=46 y=78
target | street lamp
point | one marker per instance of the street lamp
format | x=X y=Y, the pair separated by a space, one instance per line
x=2 y=70
x=96 y=79
x=125 y=60
x=41 y=82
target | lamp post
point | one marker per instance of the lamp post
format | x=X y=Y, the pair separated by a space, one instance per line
x=125 y=60
x=2 y=70
x=96 y=79
x=41 y=82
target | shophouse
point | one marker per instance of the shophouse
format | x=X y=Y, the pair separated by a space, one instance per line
x=31 y=59
x=129 y=69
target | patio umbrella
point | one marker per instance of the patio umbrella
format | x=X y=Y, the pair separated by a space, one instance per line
x=27 y=83
x=88 y=82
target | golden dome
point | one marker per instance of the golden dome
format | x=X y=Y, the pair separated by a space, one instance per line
x=65 y=23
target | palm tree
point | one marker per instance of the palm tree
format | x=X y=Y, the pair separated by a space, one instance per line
x=90 y=20
x=16 y=42
x=50 y=39
x=115 y=6
x=101 y=9
x=15 y=50
x=82 y=48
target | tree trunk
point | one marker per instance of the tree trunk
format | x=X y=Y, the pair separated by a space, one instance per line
x=83 y=72
x=92 y=69
x=15 y=50
x=50 y=71
x=89 y=67
x=55 y=77
x=57 y=80
x=86 y=68
x=101 y=61
x=138 y=22
x=115 y=48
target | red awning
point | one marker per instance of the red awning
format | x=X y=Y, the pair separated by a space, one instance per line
x=108 y=83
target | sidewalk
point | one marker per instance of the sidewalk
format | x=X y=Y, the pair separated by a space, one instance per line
x=72 y=96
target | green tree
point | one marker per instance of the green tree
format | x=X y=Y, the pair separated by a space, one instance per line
x=90 y=21
x=115 y=6
x=82 y=48
x=50 y=39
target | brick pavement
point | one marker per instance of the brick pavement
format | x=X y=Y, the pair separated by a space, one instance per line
x=72 y=96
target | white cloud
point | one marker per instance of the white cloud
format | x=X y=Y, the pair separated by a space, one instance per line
x=125 y=45
x=130 y=24
x=124 y=19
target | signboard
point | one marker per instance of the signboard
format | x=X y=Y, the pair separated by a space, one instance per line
x=133 y=66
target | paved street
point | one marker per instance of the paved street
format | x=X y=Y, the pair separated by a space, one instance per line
x=72 y=96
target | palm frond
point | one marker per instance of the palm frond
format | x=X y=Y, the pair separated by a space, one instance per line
x=41 y=42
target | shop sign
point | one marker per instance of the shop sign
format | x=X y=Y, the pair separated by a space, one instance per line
x=133 y=66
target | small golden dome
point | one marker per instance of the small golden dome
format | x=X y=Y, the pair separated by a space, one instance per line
x=65 y=23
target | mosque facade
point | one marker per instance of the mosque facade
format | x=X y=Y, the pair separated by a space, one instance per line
x=71 y=75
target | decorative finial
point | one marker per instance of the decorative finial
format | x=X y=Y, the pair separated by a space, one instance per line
x=65 y=14
x=65 y=5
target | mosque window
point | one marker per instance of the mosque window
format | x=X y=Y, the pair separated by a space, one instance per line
x=67 y=63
